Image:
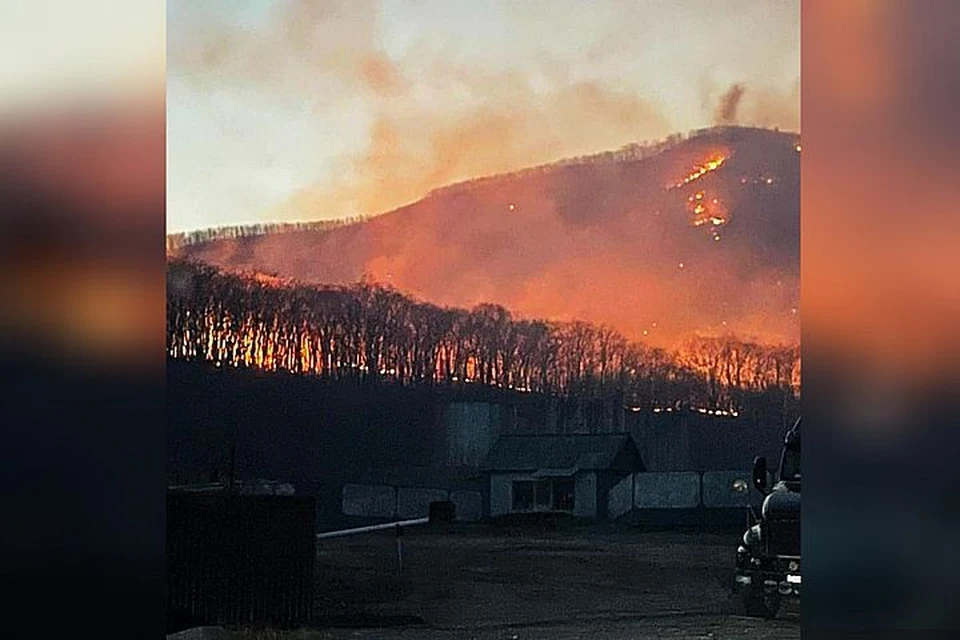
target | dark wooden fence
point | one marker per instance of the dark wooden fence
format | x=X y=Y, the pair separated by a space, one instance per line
x=239 y=559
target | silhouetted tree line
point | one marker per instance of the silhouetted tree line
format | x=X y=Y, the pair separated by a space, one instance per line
x=367 y=332
x=186 y=238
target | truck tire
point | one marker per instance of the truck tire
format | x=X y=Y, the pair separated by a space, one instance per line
x=754 y=603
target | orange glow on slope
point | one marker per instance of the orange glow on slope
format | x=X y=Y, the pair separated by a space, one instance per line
x=269 y=280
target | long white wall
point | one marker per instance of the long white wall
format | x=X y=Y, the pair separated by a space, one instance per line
x=679 y=490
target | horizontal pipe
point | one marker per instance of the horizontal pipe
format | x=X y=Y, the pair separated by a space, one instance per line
x=372 y=527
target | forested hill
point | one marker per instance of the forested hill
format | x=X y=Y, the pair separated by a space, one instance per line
x=698 y=234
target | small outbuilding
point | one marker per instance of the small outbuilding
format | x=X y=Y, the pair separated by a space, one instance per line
x=558 y=473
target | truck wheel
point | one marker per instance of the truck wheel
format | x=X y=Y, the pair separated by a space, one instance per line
x=754 y=603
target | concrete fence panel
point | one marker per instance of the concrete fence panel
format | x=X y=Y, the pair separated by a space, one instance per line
x=369 y=501
x=469 y=505
x=667 y=490
x=718 y=488
x=414 y=502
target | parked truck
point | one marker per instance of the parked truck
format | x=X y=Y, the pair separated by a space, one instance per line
x=768 y=557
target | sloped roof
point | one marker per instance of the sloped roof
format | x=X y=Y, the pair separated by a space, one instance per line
x=570 y=453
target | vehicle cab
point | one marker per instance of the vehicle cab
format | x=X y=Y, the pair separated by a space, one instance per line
x=768 y=557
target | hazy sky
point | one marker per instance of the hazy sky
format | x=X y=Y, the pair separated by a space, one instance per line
x=325 y=109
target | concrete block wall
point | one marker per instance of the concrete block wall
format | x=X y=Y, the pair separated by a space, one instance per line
x=668 y=490
x=679 y=490
x=414 y=502
x=469 y=505
x=369 y=501
x=718 y=489
x=387 y=502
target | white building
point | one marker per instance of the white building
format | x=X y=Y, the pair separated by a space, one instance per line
x=558 y=473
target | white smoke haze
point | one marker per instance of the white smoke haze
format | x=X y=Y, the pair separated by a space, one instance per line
x=368 y=124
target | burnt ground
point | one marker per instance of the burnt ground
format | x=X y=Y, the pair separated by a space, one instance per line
x=485 y=582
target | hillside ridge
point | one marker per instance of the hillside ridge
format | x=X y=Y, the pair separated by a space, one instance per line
x=630 y=152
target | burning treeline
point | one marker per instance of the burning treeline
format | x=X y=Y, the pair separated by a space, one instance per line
x=367 y=332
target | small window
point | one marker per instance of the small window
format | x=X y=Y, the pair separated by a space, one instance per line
x=523 y=495
x=563 y=493
x=543 y=495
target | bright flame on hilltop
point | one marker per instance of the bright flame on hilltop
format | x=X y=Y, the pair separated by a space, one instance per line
x=712 y=163
x=702 y=208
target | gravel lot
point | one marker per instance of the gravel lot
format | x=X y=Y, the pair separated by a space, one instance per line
x=485 y=582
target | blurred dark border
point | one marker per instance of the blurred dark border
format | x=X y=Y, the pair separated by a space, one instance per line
x=82 y=256
x=881 y=83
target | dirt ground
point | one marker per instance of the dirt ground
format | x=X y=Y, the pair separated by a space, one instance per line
x=523 y=584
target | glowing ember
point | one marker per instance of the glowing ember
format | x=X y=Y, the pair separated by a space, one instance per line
x=705 y=210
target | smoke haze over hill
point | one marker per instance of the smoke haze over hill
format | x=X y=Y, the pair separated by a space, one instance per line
x=304 y=110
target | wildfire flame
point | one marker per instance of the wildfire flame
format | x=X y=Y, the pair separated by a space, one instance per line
x=704 y=211
x=712 y=163
x=702 y=208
